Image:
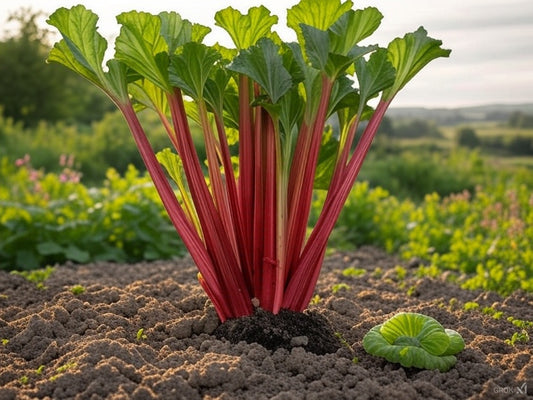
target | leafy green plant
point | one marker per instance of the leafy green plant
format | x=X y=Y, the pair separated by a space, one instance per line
x=77 y=290
x=340 y=286
x=353 y=272
x=246 y=229
x=414 y=340
x=470 y=305
x=38 y=277
x=518 y=337
x=62 y=369
x=46 y=219
x=141 y=335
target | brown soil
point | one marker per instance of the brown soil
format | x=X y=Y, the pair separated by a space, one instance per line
x=57 y=345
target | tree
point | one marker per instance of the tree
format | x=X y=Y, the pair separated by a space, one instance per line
x=467 y=137
x=519 y=119
x=417 y=128
x=31 y=90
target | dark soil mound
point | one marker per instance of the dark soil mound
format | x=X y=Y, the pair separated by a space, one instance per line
x=55 y=344
x=285 y=330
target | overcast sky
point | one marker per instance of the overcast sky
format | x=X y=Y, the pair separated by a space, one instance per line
x=491 y=40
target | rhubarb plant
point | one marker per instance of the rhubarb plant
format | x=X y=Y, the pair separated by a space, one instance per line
x=263 y=107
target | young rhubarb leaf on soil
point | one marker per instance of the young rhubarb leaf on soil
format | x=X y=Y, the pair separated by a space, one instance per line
x=414 y=340
x=246 y=30
x=409 y=55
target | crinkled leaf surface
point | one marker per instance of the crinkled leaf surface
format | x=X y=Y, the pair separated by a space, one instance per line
x=320 y=14
x=246 y=30
x=83 y=48
x=264 y=64
x=190 y=69
x=140 y=46
x=374 y=75
x=414 y=340
x=409 y=55
x=352 y=27
x=175 y=30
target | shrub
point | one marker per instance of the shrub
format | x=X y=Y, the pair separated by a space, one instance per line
x=48 y=218
x=467 y=137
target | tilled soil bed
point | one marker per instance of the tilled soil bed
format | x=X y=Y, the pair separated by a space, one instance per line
x=59 y=345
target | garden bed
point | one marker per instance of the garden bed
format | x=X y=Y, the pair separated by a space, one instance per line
x=87 y=343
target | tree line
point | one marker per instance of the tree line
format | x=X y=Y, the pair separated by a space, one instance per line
x=32 y=90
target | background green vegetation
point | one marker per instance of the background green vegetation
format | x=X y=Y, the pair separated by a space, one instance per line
x=452 y=188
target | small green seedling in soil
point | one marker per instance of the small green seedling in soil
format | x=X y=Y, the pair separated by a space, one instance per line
x=492 y=312
x=345 y=343
x=339 y=286
x=470 y=305
x=316 y=299
x=24 y=380
x=452 y=303
x=411 y=291
x=62 y=369
x=414 y=340
x=353 y=272
x=518 y=337
x=141 y=335
x=38 y=276
x=77 y=290
x=4 y=342
x=40 y=370
x=401 y=272
x=378 y=273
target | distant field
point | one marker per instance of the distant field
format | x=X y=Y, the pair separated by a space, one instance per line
x=485 y=129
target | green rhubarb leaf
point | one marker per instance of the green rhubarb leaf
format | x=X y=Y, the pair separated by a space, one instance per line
x=374 y=75
x=414 y=340
x=409 y=55
x=320 y=14
x=316 y=46
x=87 y=47
x=172 y=163
x=340 y=63
x=246 y=30
x=141 y=46
x=352 y=27
x=264 y=64
x=190 y=69
x=147 y=95
x=343 y=95
x=215 y=89
x=327 y=158
x=310 y=77
x=82 y=49
x=174 y=30
x=199 y=32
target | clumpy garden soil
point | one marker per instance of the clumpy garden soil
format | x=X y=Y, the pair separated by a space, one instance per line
x=58 y=345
